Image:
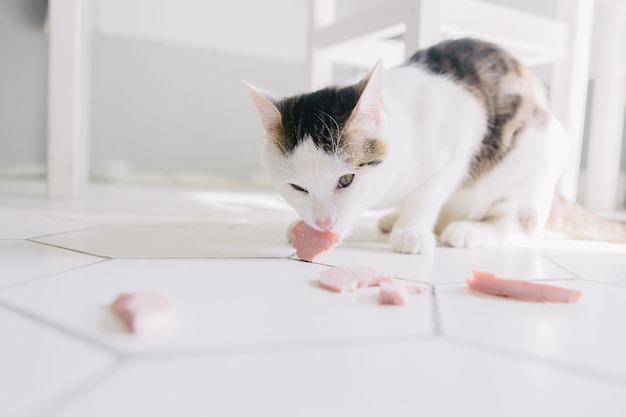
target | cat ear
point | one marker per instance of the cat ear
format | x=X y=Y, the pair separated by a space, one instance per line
x=266 y=104
x=369 y=108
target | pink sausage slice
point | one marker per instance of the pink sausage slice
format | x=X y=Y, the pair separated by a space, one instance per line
x=393 y=294
x=351 y=278
x=145 y=311
x=398 y=294
x=416 y=288
x=310 y=243
x=489 y=283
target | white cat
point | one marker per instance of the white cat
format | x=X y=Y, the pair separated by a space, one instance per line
x=459 y=140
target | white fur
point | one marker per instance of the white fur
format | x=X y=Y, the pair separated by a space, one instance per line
x=318 y=173
x=432 y=127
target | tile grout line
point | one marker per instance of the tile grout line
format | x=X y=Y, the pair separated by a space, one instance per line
x=50 y=275
x=173 y=258
x=68 y=249
x=61 y=329
x=611 y=284
x=575 y=276
x=74 y=392
x=83 y=229
x=435 y=312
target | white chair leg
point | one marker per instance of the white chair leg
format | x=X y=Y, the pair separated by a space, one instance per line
x=323 y=12
x=568 y=91
x=423 y=25
x=68 y=96
x=607 y=121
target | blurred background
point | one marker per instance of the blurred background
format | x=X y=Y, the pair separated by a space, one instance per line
x=166 y=103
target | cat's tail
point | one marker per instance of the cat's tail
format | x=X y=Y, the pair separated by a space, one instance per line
x=575 y=221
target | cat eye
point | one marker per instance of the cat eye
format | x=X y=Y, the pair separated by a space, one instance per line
x=297 y=187
x=345 y=181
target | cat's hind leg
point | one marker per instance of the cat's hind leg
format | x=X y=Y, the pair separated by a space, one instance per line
x=512 y=200
x=501 y=224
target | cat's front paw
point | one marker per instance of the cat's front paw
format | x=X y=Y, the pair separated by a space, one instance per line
x=412 y=241
x=461 y=234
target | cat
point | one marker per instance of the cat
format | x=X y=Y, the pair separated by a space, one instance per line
x=459 y=140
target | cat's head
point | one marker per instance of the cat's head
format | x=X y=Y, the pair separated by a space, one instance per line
x=323 y=149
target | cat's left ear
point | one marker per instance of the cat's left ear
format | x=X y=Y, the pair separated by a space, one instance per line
x=369 y=108
x=266 y=104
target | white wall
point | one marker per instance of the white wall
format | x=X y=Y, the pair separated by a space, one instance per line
x=266 y=29
x=160 y=108
x=167 y=88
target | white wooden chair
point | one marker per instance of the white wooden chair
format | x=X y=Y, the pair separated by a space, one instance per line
x=69 y=26
x=364 y=37
x=607 y=117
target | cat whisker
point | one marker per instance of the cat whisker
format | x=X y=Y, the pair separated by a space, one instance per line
x=331 y=118
x=321 y=119
x=334 y=141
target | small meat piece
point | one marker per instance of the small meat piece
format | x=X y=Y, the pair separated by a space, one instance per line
x=489 y=283
x=145 y=311
x=351 y=278
x=398 y=294
x=310 y=243
x=393 y=294
x=416 y=288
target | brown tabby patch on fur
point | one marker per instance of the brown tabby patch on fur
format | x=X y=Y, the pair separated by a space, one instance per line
x=374 y=151
x=363 y=153
x=505 y=88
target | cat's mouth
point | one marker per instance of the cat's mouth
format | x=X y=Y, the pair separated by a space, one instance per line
x=325 y=225
x=337 y=227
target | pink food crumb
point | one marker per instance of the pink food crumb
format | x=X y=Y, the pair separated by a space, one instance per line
x=489 y=283
x=310 y=243
x=144 y=311
x=398 y=294
x=416 y=288
x=393 y=294
x=351 y=278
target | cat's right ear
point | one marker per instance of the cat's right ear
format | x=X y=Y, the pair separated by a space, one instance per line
x=266 y=104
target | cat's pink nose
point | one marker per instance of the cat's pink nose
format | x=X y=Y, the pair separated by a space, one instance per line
x=324 y=224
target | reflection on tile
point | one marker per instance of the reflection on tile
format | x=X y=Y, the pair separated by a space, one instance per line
x=180 y=240
x=446 y=264
x=222 y=304
x=430 y=378
x=23 y=260
x=38 y=364
x=455 y=265
x=564 y=246
x=25 y=224
x=588 y=334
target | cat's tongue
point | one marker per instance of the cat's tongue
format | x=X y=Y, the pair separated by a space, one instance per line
x=310 y=243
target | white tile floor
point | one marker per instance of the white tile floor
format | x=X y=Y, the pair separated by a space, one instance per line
x=258 y=337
